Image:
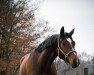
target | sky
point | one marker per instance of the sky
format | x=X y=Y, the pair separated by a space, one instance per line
x=78 y=14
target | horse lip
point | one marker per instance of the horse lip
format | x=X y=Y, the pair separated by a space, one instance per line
x=75 y=65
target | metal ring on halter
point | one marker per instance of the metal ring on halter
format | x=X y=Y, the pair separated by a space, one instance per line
x=65 y=54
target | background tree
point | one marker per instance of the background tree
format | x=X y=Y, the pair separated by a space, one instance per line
x=18 y=33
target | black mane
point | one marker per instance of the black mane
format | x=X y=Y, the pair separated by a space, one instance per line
x=49 y=42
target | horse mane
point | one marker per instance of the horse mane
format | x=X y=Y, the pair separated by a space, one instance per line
x=50 y=42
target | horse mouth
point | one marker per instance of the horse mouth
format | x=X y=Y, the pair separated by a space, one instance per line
x=76 y=64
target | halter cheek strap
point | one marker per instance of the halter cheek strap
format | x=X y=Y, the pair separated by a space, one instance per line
x=65 y=54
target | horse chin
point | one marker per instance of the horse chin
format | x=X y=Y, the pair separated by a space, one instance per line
x=72 y=65
x=75 y=65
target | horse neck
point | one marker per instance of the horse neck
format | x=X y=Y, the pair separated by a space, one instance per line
x=46 y=58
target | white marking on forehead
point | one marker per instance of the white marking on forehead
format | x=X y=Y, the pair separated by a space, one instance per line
x=69 y=40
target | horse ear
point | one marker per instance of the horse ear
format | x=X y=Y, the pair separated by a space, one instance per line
x=71 y=32
x=62 y=32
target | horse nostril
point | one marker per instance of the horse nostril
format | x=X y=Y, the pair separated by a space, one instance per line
x=76 y=63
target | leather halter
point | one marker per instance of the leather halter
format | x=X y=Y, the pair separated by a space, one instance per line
x=65 y=54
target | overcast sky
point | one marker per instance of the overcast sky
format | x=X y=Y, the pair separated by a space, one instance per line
x=78 y=14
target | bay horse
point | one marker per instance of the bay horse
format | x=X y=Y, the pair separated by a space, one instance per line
x=40 y=60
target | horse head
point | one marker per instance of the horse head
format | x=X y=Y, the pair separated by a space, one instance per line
x=66 y=48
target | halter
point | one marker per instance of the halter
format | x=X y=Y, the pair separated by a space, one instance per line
x=65 y=54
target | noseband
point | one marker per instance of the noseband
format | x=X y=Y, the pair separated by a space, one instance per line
x=65 y=54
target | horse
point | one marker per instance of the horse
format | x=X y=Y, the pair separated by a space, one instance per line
x=40 y=61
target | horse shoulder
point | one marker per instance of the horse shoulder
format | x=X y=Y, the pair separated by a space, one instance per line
x=23 y=61
x=24 y=58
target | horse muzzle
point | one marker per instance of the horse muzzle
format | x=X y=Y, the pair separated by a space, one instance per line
x=75 y=63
